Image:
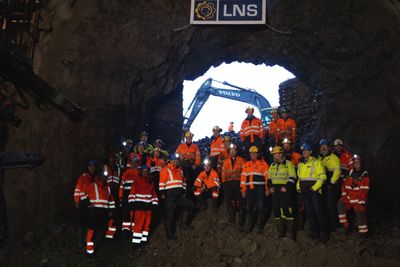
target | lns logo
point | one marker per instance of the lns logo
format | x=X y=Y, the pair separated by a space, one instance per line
x=234 y=94
x=240 y=10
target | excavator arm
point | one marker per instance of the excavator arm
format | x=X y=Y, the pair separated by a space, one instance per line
x=234 y=93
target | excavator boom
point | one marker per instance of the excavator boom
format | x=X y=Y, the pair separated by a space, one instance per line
x=234 y=93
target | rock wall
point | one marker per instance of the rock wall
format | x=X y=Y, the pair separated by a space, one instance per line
x=120 y=58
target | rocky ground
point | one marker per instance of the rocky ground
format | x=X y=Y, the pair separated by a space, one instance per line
x=213 y=242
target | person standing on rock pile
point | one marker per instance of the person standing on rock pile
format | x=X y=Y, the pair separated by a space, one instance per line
x=282 y=183
x=231 y=171
x=311 y=176
x=346 y=163
x=251 y=131
x=274 y=128
x=216 y=146
x=158 y=143
x=355 y=190
x=290 y=154
x=156 y=164
x=173 y=192
x=113 y=173
x=142 y=198
x=206 y=186
x=254 y=188
x=97 y=199
x=289 y=126
x=189 y=155
x=128 y=178
x=88 y=177
x=331 y=189
x=148 y=148
x=224 y=154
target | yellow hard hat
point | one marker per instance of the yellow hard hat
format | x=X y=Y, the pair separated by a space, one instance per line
x=249 y=107
x=227 y=138
x=188 y=134
x=253 y=149
x=277 y=150
x=216 y=128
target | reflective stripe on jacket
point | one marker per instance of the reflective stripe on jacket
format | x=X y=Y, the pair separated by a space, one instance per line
x=311 y=172
x=232 y=169
x=282 y=173
x=254 y=173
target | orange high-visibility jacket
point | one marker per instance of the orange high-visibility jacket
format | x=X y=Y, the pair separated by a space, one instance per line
x=189 y=152
x=232 y=169
x=209 y=181
x=274 y=128
x=99 y=195
x=346 y=162
x=143 y=194
x=251 y=128
x=217 y=146
x=254 y=173
x=155 y=164
x=289 y=127
x=127 y=180
x=113 y=176
x=82 y=181
x=171 y=177
x=355 y=189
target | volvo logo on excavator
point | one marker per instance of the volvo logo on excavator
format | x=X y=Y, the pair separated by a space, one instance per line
x=221 y=92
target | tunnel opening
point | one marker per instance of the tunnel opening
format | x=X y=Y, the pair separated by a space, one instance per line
x=223 y=107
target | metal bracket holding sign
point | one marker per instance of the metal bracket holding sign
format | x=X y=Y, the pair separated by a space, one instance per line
x=228 y=12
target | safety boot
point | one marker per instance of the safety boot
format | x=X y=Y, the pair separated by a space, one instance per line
x=249 y=222
x=231 y=214
x=168 y=231
x=291 y=229
x=324 y=238
x=262 y=216
x=242 y=217
x=280 y=228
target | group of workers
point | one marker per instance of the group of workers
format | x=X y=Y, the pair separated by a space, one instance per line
x=246 y=175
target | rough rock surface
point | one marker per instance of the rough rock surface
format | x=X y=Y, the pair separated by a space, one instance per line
x=214 y=242
x=120 y=58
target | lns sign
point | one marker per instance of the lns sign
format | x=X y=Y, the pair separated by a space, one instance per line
x=228 y=12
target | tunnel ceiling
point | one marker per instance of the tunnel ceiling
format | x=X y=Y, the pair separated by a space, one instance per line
x=125 y=62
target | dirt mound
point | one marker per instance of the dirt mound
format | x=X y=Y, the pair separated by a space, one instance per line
x=213 y=242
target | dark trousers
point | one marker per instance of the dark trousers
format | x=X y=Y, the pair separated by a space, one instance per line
x=283 y=204
x=172 y=202
x=315 y=211
x=331 y=195
x=232 y=194
x=191 y=176
x=255 y=199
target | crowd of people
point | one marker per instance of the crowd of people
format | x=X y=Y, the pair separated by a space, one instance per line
x=143 y=186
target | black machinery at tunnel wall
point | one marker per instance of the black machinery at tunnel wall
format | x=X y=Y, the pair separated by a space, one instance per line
x=18 y=82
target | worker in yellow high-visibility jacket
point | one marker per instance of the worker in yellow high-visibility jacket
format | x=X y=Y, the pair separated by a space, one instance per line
x=311 y=176
x=331 y=189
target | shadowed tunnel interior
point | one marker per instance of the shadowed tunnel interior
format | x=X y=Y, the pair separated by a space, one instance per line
x=125 y=63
